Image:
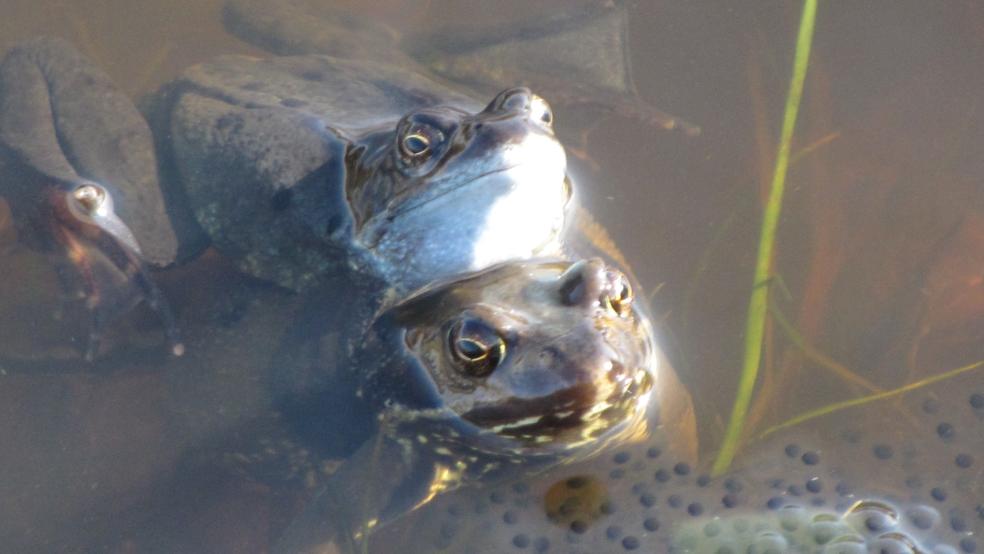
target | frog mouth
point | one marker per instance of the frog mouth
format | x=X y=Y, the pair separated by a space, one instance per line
x=519 y=417
x=428 y=198
x=578 y=414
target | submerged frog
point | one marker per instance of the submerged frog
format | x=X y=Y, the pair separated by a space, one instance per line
x=358 y=159
x=505 y=372
x=356 y=166
x=431 y=231
x=337 y=166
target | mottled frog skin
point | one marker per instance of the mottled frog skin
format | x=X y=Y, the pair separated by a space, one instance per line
x=508 y=371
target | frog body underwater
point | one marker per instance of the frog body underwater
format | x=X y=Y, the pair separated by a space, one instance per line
x=429 y=229
x=340 y=166
x=355 y=153
x=508 y=371
x=345 y=165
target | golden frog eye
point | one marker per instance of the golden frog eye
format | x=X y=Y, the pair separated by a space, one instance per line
x=620 y=299
x=476 y=348
x=89 y=197
x=419 y=142
x=415 y=145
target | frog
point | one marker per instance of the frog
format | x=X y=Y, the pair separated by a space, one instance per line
x=511 y=370
x=312 y=199
x=377 y=190
x=365 y=168
x=347 y=150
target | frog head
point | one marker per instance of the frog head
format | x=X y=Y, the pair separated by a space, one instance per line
x=528 y=360
x=451 y=191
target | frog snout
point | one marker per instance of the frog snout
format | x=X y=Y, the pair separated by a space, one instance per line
x=516 y=99
x=521 y=101
x=584 y=283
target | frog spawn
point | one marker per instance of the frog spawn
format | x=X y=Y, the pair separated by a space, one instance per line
x=870 y=486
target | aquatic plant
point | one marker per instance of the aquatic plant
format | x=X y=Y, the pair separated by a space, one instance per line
x=758 y=304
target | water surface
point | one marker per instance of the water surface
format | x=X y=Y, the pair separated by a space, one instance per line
x=881 y=250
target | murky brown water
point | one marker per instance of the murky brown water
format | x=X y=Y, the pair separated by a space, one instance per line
x=881 y=245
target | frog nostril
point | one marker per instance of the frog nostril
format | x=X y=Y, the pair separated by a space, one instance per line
x=517 y=99
x=572 y=288
x=581 y=284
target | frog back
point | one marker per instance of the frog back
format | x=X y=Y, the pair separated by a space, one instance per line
x=260 y=149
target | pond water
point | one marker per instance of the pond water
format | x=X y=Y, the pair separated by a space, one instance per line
x=879 y=265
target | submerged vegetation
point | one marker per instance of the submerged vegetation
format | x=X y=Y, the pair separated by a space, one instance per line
x=758 y=304
x=761 y=306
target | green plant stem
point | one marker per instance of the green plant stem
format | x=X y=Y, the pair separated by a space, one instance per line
x=758 y=303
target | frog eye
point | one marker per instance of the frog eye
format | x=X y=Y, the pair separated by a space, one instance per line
x=475 y=347
x=89 y=197
x=415 y=144
x=419 y=142
x=620 y=296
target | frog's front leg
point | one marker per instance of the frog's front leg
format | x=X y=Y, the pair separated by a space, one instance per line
x=381 y=480
x=66 y=136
